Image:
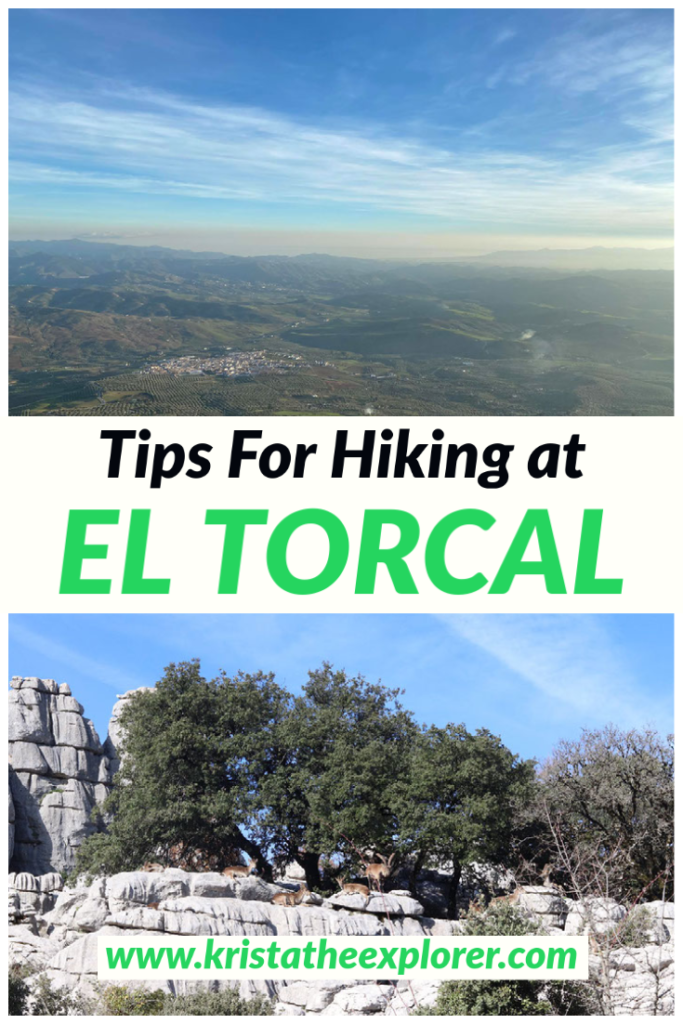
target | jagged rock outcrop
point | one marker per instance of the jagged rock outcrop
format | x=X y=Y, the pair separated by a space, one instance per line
x=58 y=773
x=113 y=741
x=63 y=944
x=639 y=982
x=544 y=904
x=32 y=896
x=594 y=914
x=184 y=903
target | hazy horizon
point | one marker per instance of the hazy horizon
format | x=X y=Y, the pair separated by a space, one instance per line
x=442 y=134
x=266 y=245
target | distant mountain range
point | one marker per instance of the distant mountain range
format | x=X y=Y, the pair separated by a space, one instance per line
x=402 y=337
x=595 y=258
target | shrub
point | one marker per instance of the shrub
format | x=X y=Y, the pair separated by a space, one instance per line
x=17 y=990
x=635 y=930
x=498 y=919
x=524 y=998
x=488 y=999
x=119 y=1001
x=40 y=998
x=226 y=1003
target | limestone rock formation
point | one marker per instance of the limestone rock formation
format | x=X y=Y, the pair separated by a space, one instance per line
x=396 y=903
x=544 y=904
x=62 y=942
x=32 y=896
x=113 y=740
x=185 y=903
x=640 y=981
x=59 y=772
x=593 y=914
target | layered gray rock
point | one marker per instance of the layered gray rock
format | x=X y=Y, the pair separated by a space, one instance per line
x=58 y=773
x=640 y=981
x=395 y=903
x=543 y=904
x=594 y=914
x=32 y=896
x=63 y=944
x=184 y=903
x=112 y=743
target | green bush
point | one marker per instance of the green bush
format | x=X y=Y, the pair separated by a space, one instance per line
x=524 y=998
x=17 y=992
x=488 y=999
x=46 y=1000
x=497 y=919
x=119 y=1001
x=226 y=1003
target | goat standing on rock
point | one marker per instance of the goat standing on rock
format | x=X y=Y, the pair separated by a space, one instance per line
x=240 y=870
x=378 y=872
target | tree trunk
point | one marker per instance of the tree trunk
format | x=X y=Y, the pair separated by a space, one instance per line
x=453 y=890
x=309 y=862
x=415 y=871
x=253 y=850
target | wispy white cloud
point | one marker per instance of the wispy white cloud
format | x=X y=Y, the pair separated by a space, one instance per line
x=570 y=661
x=504 y=36
x=615 y=63
x=132 y=140
x=28 y=642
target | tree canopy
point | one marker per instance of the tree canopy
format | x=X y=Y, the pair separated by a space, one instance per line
x=215 y=769
x=607 y=799
x=192 y=753
x=456 y=801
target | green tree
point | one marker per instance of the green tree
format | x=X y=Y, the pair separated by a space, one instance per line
x=342 y=744
x=609 y=797
x=240 y=764
x=193 y=753
x=455 y=802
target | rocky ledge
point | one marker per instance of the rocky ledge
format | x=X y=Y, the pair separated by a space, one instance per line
x=62 y=941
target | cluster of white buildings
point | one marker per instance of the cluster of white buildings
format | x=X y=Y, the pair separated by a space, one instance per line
x=230 y=364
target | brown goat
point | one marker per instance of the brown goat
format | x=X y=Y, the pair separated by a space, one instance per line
x=152 y=866
x=378 y=872
x=291 y=899
x=352 y=887
x=511 y=897
x=240 y=870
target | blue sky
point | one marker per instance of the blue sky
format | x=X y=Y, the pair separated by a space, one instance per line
x=532 y=679
x=468 y=128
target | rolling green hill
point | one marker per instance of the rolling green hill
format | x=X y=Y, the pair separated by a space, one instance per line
x=355 y=335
